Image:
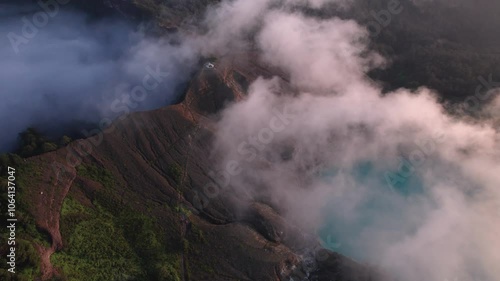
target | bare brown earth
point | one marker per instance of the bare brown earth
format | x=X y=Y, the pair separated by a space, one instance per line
x=138 y=150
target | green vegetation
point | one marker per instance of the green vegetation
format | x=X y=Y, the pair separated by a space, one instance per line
x=32 y=142
x=175 y=172
x=72 y=213
x=97 y=174
x=182 y=210
x=27 y=267
x=166 y=272
x=198 y=233
x=160 y=258
x=65 y=140
x=114 y=244
x=208 y=269
x=10 y=159
x=120 y=234
x=105 y=197
x=27 y=260
x=98 y=250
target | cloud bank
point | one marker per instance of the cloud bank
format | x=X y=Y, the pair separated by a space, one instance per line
x=77 y=69
x=392 y=177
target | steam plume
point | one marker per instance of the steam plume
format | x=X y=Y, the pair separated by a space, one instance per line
x=75 y=69
x=392 y=177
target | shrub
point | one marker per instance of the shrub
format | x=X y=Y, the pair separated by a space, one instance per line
x=97 y=174
x=175 y=172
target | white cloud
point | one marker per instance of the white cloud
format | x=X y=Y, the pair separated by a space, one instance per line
x=446 y=228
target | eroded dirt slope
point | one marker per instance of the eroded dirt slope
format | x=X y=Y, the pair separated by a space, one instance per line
x=157 y=165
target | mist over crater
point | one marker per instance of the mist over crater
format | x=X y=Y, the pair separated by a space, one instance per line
x=76 y=69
